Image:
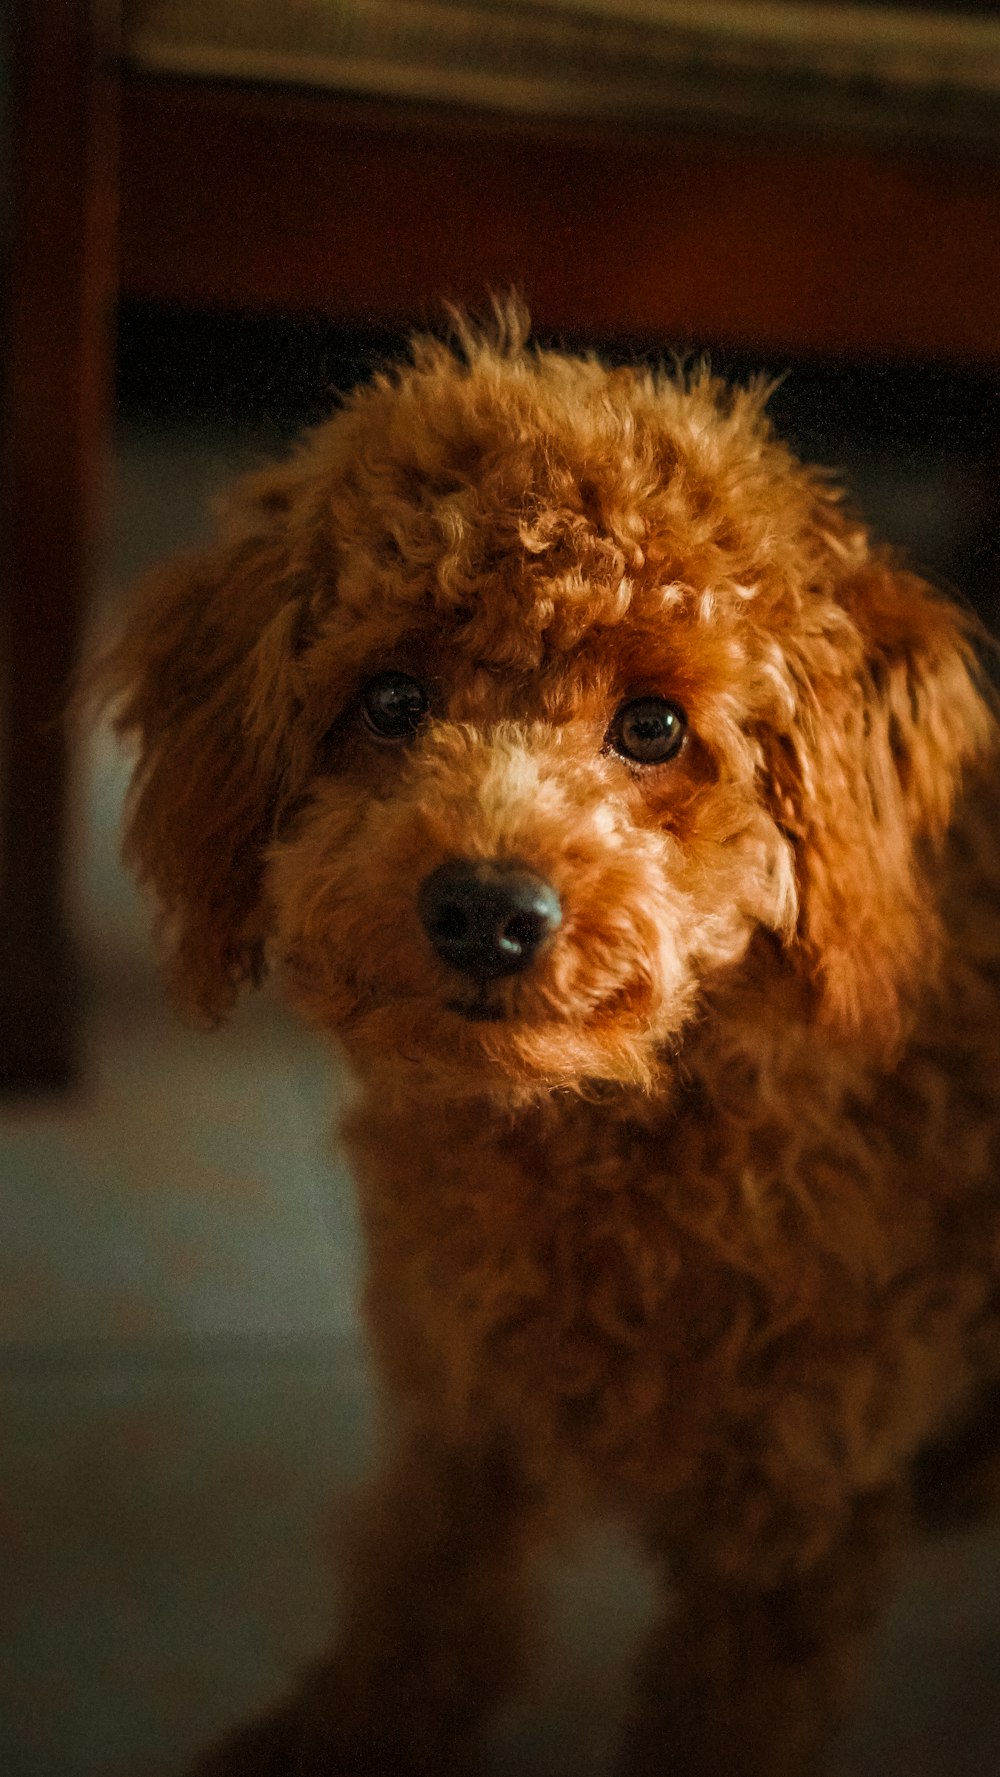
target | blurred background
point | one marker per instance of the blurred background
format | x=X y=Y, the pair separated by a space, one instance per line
x=213 y=215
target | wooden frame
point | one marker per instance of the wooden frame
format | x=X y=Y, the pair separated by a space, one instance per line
x=881 y=69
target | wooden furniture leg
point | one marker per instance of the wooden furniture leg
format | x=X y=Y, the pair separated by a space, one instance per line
x=57 y=373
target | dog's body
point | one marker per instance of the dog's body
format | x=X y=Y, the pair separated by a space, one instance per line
x=628 y=817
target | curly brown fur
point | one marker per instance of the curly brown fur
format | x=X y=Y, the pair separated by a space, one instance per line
x=693 y=1218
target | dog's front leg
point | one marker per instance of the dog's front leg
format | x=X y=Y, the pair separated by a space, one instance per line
x=745 y=1675
x=431 y=1630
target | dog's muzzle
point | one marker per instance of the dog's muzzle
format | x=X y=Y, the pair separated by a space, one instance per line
x=488 y=920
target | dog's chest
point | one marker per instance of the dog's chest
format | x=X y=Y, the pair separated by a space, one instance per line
x=597 y=1281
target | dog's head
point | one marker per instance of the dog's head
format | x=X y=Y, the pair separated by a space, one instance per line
x=520 y=704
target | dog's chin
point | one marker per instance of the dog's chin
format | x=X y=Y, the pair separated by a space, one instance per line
x=480 y=1043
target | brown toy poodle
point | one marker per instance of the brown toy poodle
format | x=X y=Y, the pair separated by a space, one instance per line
x=576 y=760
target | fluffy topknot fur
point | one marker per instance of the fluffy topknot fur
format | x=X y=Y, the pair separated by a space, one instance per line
x=697 y=1209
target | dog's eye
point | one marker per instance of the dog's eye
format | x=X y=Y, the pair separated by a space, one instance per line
x=648 y=729
x=393 y=705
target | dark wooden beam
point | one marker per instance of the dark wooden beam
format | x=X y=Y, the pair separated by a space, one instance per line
x=268 y=199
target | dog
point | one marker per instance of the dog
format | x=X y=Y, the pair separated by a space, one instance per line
x=575 y=760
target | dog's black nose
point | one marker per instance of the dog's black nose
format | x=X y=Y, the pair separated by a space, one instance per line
x=488 y=920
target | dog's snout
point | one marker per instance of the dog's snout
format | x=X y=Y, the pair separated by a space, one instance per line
x=488 y=920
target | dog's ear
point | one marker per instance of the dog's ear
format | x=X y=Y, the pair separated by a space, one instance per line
x=889 y=710
x=203 y=679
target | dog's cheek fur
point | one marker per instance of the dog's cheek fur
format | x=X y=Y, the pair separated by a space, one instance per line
x=888 y=715
x=204 y=682
x=198 y=812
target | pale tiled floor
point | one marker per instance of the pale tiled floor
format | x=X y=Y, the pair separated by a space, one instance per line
x=184 y=1389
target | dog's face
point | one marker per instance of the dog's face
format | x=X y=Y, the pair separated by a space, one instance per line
x=519 y=873
x=510 y=712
